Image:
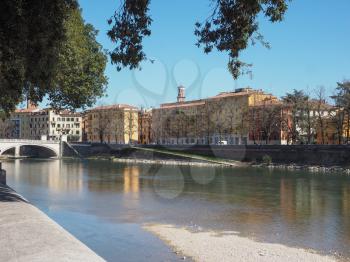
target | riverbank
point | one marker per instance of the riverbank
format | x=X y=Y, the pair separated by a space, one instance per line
x=210 y=246
x=27 y=234
x=280 y=157
x=309 y=168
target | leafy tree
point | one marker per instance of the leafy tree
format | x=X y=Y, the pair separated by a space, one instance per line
x=79 y=77
x=39 y=41
x=342 y=102
x=131 y=25
x=296 y=103
x=31 y=33
x=232 y=25
x=321 y=109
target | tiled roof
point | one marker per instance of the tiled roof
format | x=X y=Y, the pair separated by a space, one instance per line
x=117 y=106
x=182 y=104
x=244 y=92
x=25 y=110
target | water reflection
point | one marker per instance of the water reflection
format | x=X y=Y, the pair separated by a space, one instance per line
x=295 y=208
x=57 y=178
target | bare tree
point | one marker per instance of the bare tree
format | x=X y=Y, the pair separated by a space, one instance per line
x=271 y=121
x=7 y=128
x=207 y=122
x=118 y=126
x=218 y=118
x=103 y=123
x=321 y=109
x=131 y=124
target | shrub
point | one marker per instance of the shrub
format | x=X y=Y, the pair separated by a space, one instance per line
x=266 y=159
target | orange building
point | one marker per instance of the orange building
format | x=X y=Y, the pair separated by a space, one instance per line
x=268 y=122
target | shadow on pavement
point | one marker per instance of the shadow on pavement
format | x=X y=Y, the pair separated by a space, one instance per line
x=7 y=194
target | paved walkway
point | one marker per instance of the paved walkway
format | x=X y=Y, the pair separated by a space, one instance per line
x=27 y=234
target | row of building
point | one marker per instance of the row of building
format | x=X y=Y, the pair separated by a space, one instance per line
x=243 y=116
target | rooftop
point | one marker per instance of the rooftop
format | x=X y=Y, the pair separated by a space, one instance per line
x=237 y=92
x=116 y=106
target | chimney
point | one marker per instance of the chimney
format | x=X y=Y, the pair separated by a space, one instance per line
x=181 y=94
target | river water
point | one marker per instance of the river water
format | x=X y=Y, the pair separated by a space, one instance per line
x=105 y=204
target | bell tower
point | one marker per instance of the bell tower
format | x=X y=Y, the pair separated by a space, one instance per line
x=181 y=94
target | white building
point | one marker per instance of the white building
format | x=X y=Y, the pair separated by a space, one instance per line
x=34 y=123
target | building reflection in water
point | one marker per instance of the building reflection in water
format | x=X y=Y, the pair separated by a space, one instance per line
x=131 y=175
x=346 y=211
x=54 y=175
x=296 y=208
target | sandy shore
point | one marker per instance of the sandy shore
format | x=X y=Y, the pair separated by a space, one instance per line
x=207 y=246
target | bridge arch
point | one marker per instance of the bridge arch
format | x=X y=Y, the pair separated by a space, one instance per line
x=52 y=150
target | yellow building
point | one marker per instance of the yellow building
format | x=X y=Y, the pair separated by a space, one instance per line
x=221 y=119
x=111 y=124
x=335 y=130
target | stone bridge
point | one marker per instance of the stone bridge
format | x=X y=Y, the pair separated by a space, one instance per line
x=6 y=144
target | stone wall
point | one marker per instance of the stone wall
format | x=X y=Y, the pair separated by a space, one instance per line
x=326 y=155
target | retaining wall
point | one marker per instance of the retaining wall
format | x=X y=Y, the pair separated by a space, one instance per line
x=326 y=155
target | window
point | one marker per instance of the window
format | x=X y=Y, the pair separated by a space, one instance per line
x=77 y=132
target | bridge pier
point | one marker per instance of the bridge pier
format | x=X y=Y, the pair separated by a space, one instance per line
x=17 y=151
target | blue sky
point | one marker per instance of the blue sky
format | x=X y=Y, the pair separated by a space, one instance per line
x=309 y=48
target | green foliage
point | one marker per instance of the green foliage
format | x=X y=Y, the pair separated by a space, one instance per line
x=266 y=159
x=79 y=77
x=342 y=96
x=131 y=25
x=297 y=102
x=39 y=40
x=230 y=28
x=30 y=36
x=233 y=24
x=341 y=116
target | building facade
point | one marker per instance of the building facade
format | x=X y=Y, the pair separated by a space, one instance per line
x=269 y=122
x=34 y=123
x=221 y=119
x=335 y=128
x=111 y=124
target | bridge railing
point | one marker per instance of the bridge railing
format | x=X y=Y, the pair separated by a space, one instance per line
x=28 y=141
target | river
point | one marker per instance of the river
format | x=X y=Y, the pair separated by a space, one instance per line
x=105 y=204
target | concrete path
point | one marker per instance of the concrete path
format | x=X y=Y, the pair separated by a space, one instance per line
x=27 y=234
